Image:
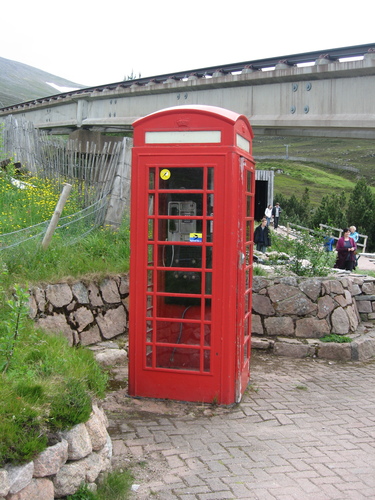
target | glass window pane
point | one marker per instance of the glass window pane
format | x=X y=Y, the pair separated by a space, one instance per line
x=247 y=302
x=181 y=205
x=149 y=331
x=210 y=205
x=248 y=206
x=207 y=334
x=151 y=204
x=150 y=280
x=150 y=257
x=182 y=178
x=210 y=178
x=249 y=226
x=150 y=229
x=208 y=283
x=248 y=181
x=209 y=230
x=181 y=256
x=179 y=333
x=179 y=281
x=206 y=361
x=149 y=306
x=248 y=256
x=178 y=358
x=151 y=179
x=148 y=356
x=247 y=278
x=168 y=308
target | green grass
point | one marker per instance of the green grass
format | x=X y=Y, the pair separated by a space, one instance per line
x=357 y=153
x=48 y=387
x=101 y=253
x=296 y=176
x=114 y=486
x=45 y=385
x=340 y=339
x=22 y=208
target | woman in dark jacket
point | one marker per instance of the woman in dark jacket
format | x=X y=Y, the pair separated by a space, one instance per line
x=262 y=236
x=346 y=248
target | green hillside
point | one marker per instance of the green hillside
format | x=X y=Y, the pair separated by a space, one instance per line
x=348 y=158
x=294 y=177
x=20 y=83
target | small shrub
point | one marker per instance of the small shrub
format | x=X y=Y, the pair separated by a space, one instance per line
x=259 y=271
x=21 y=430
x=115 y=486
x=305 y=255
x=70 y=406
x=83 y=493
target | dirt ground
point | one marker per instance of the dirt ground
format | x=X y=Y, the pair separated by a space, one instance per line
x=366 y=263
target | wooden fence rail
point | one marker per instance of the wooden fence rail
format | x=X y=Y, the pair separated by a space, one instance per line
x=329 y=230
x=337 y=233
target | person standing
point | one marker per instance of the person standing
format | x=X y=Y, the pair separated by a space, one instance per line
x=268 y=214
x=262 y=236
x=353 y=233
x=346 y=248
x=276 y=211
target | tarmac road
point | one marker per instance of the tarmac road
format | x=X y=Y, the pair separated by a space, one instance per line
x=305 y=429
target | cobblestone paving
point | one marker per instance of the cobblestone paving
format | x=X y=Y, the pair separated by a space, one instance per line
x=305 y=429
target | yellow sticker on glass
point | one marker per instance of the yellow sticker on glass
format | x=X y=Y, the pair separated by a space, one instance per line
x=165 y=174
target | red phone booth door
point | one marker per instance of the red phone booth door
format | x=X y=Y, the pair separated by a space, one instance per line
x=177 y=354
x=245 y=275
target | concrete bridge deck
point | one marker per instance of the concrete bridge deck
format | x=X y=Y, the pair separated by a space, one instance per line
x=303 y=94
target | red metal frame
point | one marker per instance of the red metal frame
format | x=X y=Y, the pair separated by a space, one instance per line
x=191 y=255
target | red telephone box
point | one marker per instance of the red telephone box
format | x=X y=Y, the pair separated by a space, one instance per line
x=192 y=206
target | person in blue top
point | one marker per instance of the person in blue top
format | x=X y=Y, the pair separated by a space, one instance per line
x=355 y=236
x=328 y=243
x=353 y=233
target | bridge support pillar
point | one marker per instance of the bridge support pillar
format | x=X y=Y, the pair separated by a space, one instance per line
x=87 y=137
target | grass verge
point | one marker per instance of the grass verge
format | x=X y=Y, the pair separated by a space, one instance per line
x=48 y=387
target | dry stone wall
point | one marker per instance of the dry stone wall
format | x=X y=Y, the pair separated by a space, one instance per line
x=79 y=457
x=85 y=312
x=292 y=307
x=291 y=314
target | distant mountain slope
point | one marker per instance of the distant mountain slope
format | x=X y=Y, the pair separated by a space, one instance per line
x=20 y=82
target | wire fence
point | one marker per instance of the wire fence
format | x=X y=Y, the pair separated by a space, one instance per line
x=69 y=230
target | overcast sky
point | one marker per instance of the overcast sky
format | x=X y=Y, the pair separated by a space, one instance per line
x=93 y=43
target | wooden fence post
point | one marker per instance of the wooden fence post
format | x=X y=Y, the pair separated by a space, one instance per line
x=56 y=215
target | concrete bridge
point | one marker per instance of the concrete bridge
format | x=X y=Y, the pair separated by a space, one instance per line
x=330 y=94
